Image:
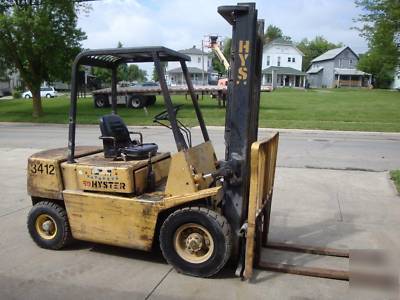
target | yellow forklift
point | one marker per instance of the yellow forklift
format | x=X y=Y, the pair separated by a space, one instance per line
x=202 y=211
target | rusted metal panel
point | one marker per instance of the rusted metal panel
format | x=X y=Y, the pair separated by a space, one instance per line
x=61 y=154
x=180 y=177
x=186 y=169
x=97 y=173
x=105 y=179
x=160 y=170
x=99 y=159
x=45 y=178
x=111 y=219
x=173 y=201
x=202 y=159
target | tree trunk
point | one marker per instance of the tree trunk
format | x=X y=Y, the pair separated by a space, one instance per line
x=37 y=103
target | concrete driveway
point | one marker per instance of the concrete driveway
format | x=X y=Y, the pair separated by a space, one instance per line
x=317 y=206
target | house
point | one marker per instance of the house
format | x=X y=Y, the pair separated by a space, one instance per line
x=337 y=68
x=281 y=65
x=396 y=79
x=198 y=67
x=9 y=82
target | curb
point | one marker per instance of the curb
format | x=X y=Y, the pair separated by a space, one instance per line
x=221 y=128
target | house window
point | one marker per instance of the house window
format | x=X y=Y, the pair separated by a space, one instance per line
x=279 y=61
x=289 y=59
x=351 y=62
x=293 y=59
x=199 y=59
x=268 y=61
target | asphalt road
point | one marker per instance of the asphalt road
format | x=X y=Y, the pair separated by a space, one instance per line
x=297 y=148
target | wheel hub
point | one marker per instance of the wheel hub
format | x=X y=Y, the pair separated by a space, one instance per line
x=194 y=242
x=46 y=226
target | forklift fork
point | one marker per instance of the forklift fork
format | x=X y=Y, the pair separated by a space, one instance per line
x=263 y=164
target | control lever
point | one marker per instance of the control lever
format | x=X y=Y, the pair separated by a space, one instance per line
x=151 y=177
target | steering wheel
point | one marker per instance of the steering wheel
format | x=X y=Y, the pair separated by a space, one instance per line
x=163 y=116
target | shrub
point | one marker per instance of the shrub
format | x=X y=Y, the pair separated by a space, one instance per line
x=16 y=94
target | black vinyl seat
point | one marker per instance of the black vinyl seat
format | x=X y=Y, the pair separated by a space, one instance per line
x=117 y=141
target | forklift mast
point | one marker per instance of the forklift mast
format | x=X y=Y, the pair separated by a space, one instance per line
x=243 y=100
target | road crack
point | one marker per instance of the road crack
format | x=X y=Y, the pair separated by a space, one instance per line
x=158 y=284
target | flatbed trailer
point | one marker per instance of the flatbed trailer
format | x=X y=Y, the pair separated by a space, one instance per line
x=140 y=96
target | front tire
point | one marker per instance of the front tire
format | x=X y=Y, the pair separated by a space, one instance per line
x=27 y=97
x=196 y=241
x=48 y=225
x=48 y=96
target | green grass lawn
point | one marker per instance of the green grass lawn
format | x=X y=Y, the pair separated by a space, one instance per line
x=336 y=109
x=395 y=176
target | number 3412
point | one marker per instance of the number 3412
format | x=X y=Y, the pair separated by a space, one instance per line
x=42 y=169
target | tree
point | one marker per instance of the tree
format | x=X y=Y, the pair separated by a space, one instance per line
x=39 y=38
x=381 y=23
x=273 y=32
x=124 y=72
x=154 y=76
x=133 y=73
x=226 y=50
x=313 y=48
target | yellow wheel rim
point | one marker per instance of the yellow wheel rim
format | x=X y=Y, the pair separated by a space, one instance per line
x=193 y=243
x=46 y=227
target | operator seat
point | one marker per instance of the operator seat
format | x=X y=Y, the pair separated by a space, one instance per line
x=117 y=141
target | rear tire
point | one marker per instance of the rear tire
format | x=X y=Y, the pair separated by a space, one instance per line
x=136 y=102
x=101 y=101
x=151 y=100
x=27 y=97
x=48 y=225
x=48 y=96
x=196 y=241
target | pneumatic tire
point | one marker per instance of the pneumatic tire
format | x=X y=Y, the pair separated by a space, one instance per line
x=48 y=225
x=151 y=100
x=196 y=241
x=137 y=101
x=101 y=101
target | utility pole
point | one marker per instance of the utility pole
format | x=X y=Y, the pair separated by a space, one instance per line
x=202 y=58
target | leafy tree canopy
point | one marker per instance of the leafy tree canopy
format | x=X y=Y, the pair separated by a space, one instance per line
x=39 y=38
x=124 y=72
x=154 y=76
x=313 y=48
x=273 y=32
x=381 y=27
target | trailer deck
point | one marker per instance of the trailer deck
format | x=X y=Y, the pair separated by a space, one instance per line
x=126 y=94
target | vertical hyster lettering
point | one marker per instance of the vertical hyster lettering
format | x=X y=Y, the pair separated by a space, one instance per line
x=244 y=49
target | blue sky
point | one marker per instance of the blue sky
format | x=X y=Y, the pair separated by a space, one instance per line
x=180 y=24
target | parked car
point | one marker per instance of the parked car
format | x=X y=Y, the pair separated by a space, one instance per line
x=48 y=92
x=150 y=83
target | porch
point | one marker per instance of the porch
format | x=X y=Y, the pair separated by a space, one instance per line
x=175 y=76
x=283 y=77
x=352 y=78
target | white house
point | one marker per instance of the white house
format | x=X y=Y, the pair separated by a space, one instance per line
x=281 y=65
x=396 y=79
x=198 y=66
